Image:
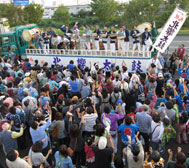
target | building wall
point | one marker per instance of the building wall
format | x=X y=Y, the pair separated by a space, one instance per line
x=49 y=11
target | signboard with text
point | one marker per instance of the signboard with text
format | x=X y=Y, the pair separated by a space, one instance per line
x=170 y=30
x=21 y=2
x=106 y=63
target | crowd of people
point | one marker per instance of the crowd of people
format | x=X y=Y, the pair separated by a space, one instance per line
x=102 y=40
x=72 y=117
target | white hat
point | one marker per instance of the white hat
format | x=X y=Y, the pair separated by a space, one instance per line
x=2 y=97
x=102 y=143
x=160 y=74
x=5 y=126
x=27 y=74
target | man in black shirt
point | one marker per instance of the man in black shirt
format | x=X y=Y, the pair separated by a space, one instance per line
x=103 y=154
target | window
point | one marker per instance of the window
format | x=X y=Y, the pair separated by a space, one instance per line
x=11 y=39
x=21 y=41
x=5 y=40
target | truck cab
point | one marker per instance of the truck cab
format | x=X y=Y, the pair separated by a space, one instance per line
x=14 y=41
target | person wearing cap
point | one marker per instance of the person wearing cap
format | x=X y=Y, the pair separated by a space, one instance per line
x=160 y=83
x=53 y=84
x=8 y=138
x=103 y=153
x=169 y=89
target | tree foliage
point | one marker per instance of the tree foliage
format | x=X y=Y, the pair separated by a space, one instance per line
x=18 y=16
x=14 y=14
x=62 y=15
x=139 y=11
x=33 y=13
x=104 y=10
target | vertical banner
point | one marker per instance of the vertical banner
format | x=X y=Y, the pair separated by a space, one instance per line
x=170 y=30
x=21 y=2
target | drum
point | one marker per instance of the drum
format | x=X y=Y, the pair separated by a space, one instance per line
x=101 y=45
x=72 y=45
x=116 y=45
x=94 y=34
x=103 y=35
x=28 y=35
x=113 y=35
x=62 y=45
x=68 y=34
x=121 y=37
x=91 y=43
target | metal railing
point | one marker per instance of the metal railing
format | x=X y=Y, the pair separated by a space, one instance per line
x=70 y=52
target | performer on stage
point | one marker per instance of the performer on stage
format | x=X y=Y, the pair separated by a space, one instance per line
x=146 y=42
x=112 y=34
x=76 y=39
x=104 y=35
x=67 y=33
x=121 y=44
x=97 y=31
x=46 y=41
x=126 y=39
x=136 y=40
x=88 y=36
x=63 y=43
x=55 y=41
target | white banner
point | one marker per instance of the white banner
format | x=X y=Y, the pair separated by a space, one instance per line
x=133 y=63
x=170 y=30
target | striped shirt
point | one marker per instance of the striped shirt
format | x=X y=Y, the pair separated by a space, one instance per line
x=90 y=121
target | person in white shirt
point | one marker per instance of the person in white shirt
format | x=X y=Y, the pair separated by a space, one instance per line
x=121 y=43
x=55 y=41
x=154 y=62
x=90 y=119
x=117 y=82
x=14 y=161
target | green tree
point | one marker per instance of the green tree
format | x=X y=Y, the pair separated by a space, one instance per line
x=139 y=11
x=62 y=15
x=104 y=10
x=33 y=13
x=3 y=10
x=14 y=14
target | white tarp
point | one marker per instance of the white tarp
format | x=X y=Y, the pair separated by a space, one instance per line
x=170 y=30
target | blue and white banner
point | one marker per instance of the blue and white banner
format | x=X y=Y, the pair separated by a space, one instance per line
x=21 y=2
x=170 y=29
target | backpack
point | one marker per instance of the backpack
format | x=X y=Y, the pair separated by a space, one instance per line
x=17 y=121
x=114 y=103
